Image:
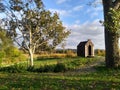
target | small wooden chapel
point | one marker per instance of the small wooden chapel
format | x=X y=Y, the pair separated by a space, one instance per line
x=85 y=49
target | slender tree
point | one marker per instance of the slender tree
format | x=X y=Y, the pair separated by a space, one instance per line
x=63 y=46
x=31 y=26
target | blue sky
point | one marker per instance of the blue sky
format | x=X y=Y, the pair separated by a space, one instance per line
x=82 y=19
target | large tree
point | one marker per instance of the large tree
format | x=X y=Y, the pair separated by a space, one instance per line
x=31 y=26
x=112 y=29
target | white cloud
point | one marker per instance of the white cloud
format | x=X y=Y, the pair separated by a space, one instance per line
x=94 y=12
x=89 y=30
x=60 y=12
x=98 y=9
x=77 y=21
x=77 y=8
x=97 y=2
x=95 y=9
x=61 y=1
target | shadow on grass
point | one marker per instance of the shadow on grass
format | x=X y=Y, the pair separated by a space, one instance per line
x=56 y=58
x=102 y=70
x=46 y=59
x=47 y=81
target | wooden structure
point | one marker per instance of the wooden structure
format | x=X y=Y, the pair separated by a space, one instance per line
x=85 y=49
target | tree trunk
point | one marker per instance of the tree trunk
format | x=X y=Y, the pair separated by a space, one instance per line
x=112 y=49
x=31 y=48
x=31 y=58
x=111 y=39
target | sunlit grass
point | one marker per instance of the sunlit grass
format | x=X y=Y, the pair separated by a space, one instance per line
x=71 y=63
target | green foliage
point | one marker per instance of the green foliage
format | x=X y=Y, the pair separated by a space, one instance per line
x=2 y=56
x=5 y=41
x=11 y=55
x=8 y=53
x=112 y=21
x=13 y=52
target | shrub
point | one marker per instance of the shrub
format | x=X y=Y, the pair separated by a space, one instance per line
x=49 y=68
x=12 y=51
x=17 y=68
x=40 y=69
x=12 y=55
x=31 y=68
x=60 y=67
x=46 y=68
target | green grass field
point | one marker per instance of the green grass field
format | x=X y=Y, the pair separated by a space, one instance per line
x=101 y=79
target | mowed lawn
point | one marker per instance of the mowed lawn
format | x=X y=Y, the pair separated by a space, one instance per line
x=101 y=79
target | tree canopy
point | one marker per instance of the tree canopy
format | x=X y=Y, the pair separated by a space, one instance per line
x=31 y=26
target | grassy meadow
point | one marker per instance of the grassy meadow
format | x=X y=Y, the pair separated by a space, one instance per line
x=74 y=78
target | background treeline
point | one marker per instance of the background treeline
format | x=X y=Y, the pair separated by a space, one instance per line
x=100 y=52
x=67 y=52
